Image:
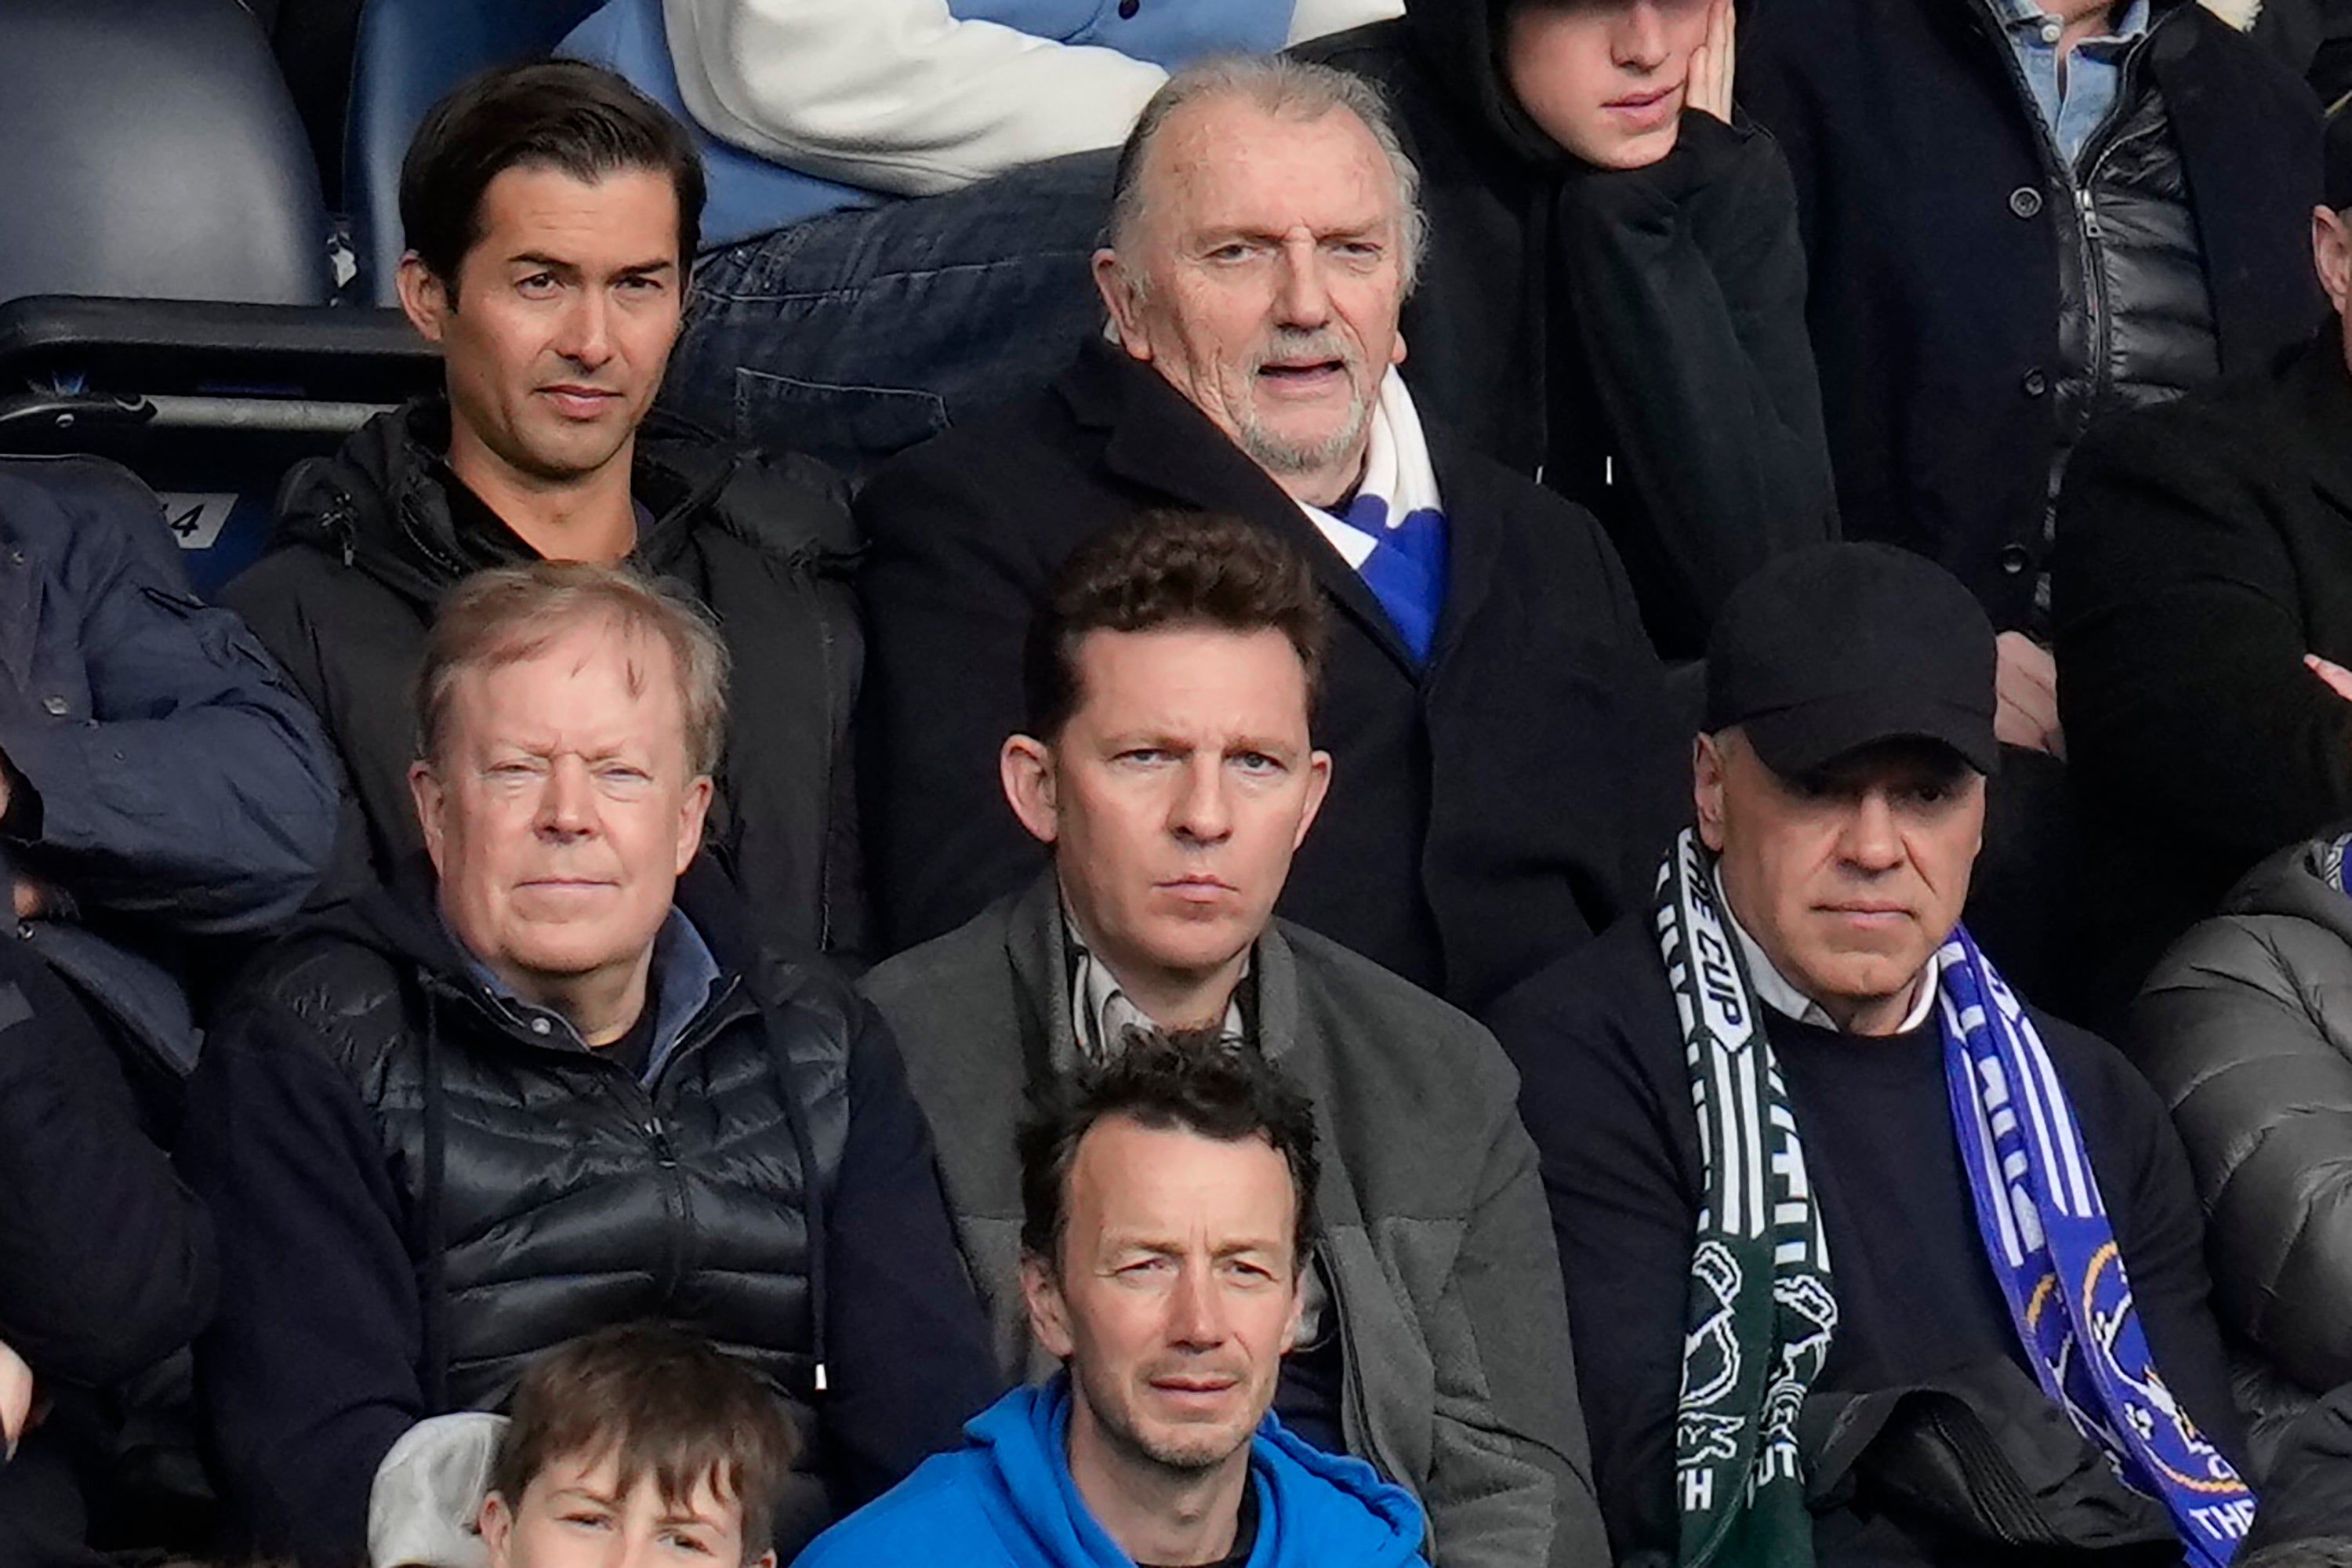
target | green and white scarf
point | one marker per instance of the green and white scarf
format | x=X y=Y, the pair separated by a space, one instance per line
x=1749 y=1354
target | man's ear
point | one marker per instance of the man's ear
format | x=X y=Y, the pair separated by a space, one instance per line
x=1118 y=298
x=1049 y=1315
x=1296 y=1324
x=496 y=1523
x=1706 y=789
x=2331 y=255
x=423 y=298
x=765 y=1560
x=1026 y=767
x=692 y=814
x=425 y=791
x=1318 y=785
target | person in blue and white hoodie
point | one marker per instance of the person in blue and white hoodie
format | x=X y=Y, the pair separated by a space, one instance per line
x=904 y=194
x=1167 y=1210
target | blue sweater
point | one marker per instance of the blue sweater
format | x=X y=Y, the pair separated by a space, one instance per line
x=1005 y=1499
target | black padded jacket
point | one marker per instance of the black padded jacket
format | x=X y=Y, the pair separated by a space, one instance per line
x=2245 y=1028
x=418 y=1186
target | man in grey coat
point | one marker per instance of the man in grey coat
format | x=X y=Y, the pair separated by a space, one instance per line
x=1169 y=677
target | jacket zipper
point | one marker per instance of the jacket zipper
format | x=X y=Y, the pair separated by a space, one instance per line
x=676 y=1201
x=2095 y=252
x=1354 y=1424
x=643 y=1108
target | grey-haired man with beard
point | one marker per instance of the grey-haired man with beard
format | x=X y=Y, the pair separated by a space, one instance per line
x=1493 y=709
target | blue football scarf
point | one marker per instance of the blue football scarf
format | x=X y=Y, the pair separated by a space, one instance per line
x=2038 y=1208
x=2046 y=1234
x=1393 y=532
x=2331 y=863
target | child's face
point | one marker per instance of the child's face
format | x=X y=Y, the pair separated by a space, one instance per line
x=571 y=1517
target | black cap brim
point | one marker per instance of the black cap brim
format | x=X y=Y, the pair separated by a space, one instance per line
x=1796 y=741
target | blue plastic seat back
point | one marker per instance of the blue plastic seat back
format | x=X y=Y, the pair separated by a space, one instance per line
x=153 y=152
x=410 y=53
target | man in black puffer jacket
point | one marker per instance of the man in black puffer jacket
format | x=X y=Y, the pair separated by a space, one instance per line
x=1613 y=297
x=552 y=213
x=453 y=1125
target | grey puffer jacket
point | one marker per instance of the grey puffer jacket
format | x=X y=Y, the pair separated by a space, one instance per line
x=2245 y=1028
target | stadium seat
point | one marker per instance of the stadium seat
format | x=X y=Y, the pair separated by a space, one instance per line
x=164 y=283
x=410 y=53
x=152 y=152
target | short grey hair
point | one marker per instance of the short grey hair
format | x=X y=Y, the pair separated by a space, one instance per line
x=510 y=614
x=1285 y=87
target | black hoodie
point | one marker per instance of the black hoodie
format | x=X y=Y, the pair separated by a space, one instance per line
x=367 y=543
x=1634 y=338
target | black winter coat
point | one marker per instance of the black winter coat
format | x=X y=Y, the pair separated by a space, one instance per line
x=1975 y=303
x=367 y=545
x=106 y=1259
x=2205 y=549
x=1487 y=812
x=2245 y=1028
x=1634 y=338
x=418 y=1186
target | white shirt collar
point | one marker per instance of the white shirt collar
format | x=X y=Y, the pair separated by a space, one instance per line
x=1775 y=991
x=1099 y=1008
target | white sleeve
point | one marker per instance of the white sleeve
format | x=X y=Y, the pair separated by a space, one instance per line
x=1314 y=18
x=896 y=95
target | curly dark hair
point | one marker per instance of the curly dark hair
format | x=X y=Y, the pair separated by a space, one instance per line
x=1168 y=568
x=1198 y=1080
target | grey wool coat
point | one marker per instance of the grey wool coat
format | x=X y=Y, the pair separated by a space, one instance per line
x=1436 y=1244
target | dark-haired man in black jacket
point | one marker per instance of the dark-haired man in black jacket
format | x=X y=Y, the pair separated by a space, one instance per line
x=551 y=212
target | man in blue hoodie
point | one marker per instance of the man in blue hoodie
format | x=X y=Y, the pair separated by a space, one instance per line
x=1167 y=1209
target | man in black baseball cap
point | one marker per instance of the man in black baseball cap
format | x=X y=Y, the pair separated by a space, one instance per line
x=2203 y=627
x=1808 y=1155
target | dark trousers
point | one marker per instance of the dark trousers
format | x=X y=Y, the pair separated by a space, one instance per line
x=853 y=335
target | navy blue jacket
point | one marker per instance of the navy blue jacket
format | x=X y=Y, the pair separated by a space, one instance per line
x=160 y=775
x=1934 y=220
x=162 y=785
